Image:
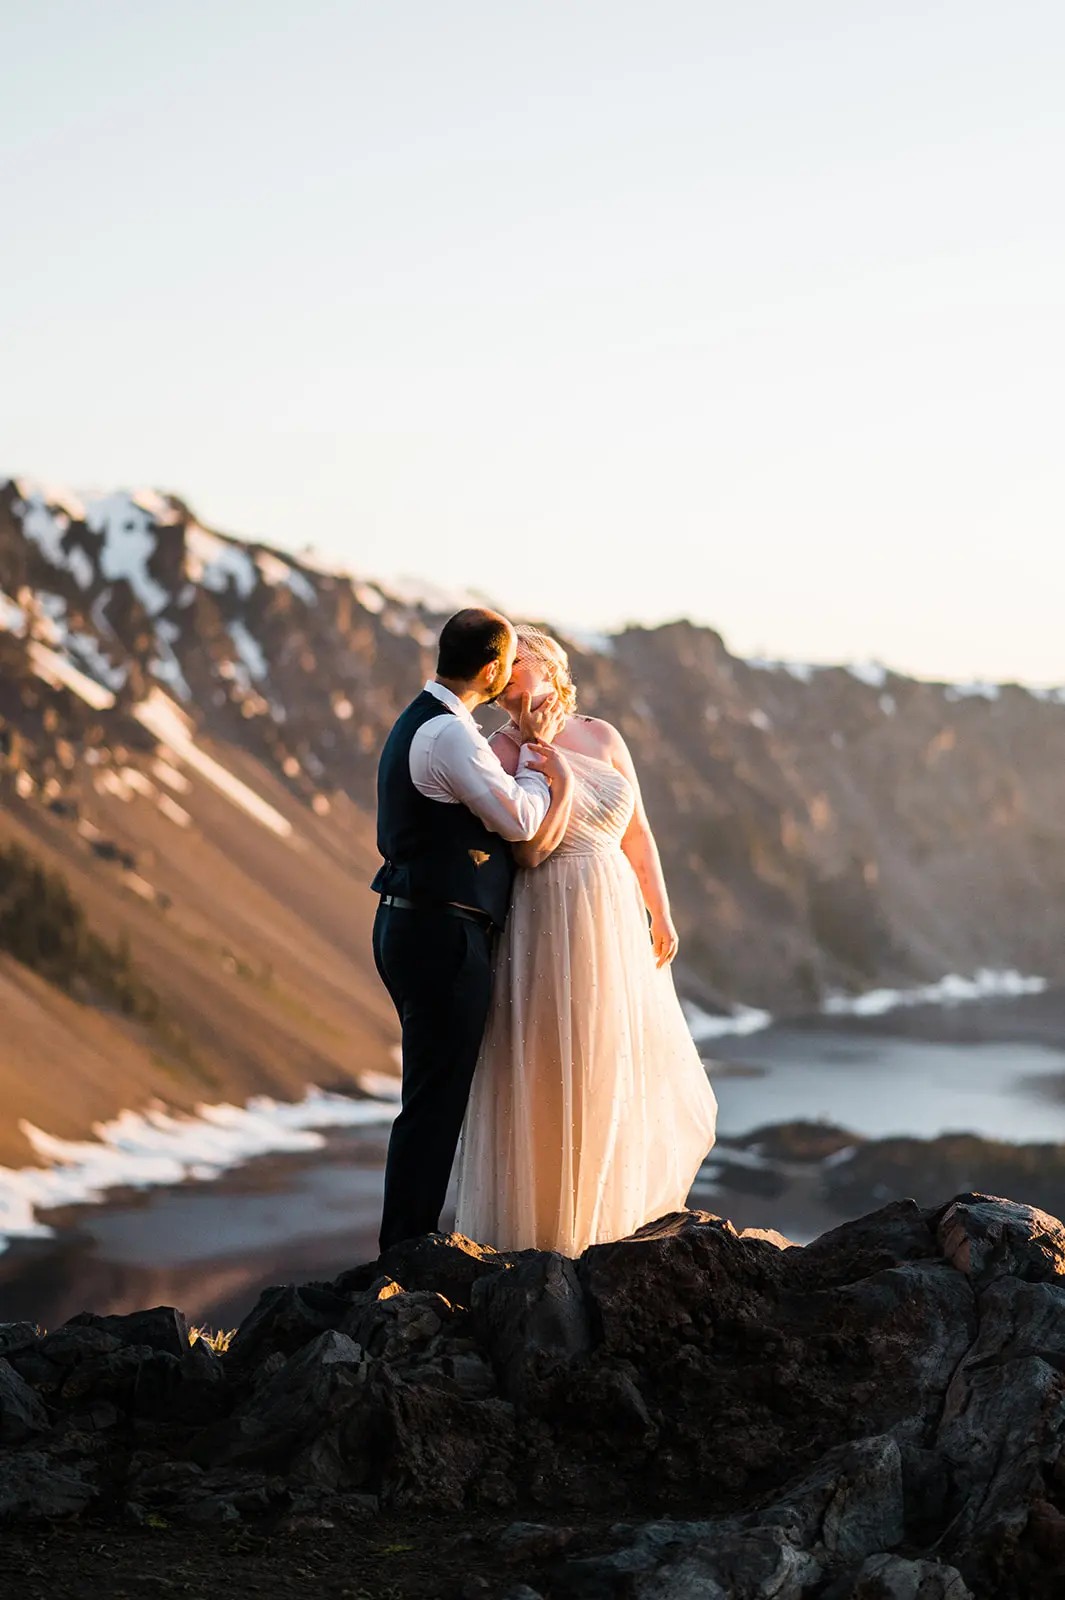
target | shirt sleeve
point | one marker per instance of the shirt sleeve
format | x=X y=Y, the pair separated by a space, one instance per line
x=466 y=767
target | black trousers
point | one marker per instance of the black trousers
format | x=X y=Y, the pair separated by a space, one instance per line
x=438 y=970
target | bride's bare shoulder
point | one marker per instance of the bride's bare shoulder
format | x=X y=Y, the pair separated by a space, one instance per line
x=597 y=736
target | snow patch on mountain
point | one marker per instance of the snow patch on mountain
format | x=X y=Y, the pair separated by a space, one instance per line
x=252 y=657
x=370 y=598
x=591 y=642
x=166 y=666
x=158 y=506
x=803 y=671
x=277 y=572
x=171 y=776
x=12 y=615
x=705 y=1025
x=953 y=989
x=873 y=673
x=129 y=541
x=61 y=673
x=175 y=813
x=163 y=717
x=435 y=598
x=972 y=691
x=215 y=562
x=47 y=526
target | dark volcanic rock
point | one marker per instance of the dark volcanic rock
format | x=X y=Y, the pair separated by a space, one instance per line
x=17 y=1337
x=416 y=1445
x=33 y=1485
x=692 y=1411
x=283 y=1319
x=161 y=1328
x=446 y=1263
x=886 y=1577
x=21 y=1413
x=897 y=1232
x=391 y=1325
x=986 y=1237
x=296 y=1402
x=530 y=1319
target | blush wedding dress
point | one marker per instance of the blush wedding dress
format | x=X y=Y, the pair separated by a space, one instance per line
x=590 y=1111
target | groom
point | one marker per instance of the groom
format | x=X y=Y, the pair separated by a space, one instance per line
x=445 y=809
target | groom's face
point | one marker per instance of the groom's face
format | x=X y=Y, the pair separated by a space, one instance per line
x=505 y=666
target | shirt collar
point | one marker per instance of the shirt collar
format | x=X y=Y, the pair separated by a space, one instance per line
x=445 y=696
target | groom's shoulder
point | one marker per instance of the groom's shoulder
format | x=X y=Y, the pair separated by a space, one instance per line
x=425 y=707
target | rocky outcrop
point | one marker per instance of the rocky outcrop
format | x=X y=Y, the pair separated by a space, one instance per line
x=691 y=1411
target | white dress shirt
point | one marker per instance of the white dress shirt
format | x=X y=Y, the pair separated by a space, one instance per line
x=452 y=761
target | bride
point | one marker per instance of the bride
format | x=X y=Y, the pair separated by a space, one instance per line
x=590 y=1111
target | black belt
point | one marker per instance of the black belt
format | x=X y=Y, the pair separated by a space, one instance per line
x=447 y=906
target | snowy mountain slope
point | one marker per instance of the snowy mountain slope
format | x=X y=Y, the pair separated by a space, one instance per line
x=189 y=724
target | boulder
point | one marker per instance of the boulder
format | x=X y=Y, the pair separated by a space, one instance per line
x=1003 y=1424
x=694 y=1561
x=531 y=1318
x=22 y=1414
x=987 y=1237
x=17 y=1337
x=892 y=1577
x=70 y=1345
x=160 y=1328
x=33 y=1486
x=283 y=1318
x=291 y=1408
x=415 y=1445
x=896 y=1232
x=448 y=1264
x=849 y=1505
x=391 y=1325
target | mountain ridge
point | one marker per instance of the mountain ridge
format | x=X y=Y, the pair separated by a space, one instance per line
x=190 y=726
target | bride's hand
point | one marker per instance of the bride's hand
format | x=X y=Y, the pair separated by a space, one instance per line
x=548 y=759
x=545 y=723
x=664 y=940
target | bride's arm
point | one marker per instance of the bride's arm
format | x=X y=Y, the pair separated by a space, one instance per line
x=640 y=847
x=533 y=852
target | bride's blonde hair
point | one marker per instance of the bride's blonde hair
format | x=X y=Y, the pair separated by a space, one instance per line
x=554 y=660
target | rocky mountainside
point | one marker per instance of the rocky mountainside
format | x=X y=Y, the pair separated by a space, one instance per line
x=879 y=1415
x=189 y=725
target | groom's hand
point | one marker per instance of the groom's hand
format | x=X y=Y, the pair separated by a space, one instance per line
x=545 y=723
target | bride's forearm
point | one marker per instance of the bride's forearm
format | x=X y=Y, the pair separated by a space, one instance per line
x=640 y=847
x=551 y=831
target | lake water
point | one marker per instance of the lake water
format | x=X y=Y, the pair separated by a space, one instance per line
x=879 y=1085
x=995 y=1068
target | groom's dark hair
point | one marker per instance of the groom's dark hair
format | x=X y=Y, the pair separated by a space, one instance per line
x=469 y=641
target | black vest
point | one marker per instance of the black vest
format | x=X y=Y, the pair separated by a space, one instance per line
x=434 y=850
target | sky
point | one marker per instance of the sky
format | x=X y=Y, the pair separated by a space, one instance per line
x=614 y=311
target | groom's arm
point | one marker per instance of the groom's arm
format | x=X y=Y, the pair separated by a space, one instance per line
x=459 y=765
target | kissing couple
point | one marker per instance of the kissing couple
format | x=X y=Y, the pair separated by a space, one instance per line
x=524 y=935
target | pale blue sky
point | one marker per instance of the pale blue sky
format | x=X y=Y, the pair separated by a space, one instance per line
x=754 y=313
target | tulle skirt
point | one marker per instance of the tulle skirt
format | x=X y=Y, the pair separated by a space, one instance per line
x=590 y=1111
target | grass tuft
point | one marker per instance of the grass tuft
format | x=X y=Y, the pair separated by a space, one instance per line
x=217 y=1341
